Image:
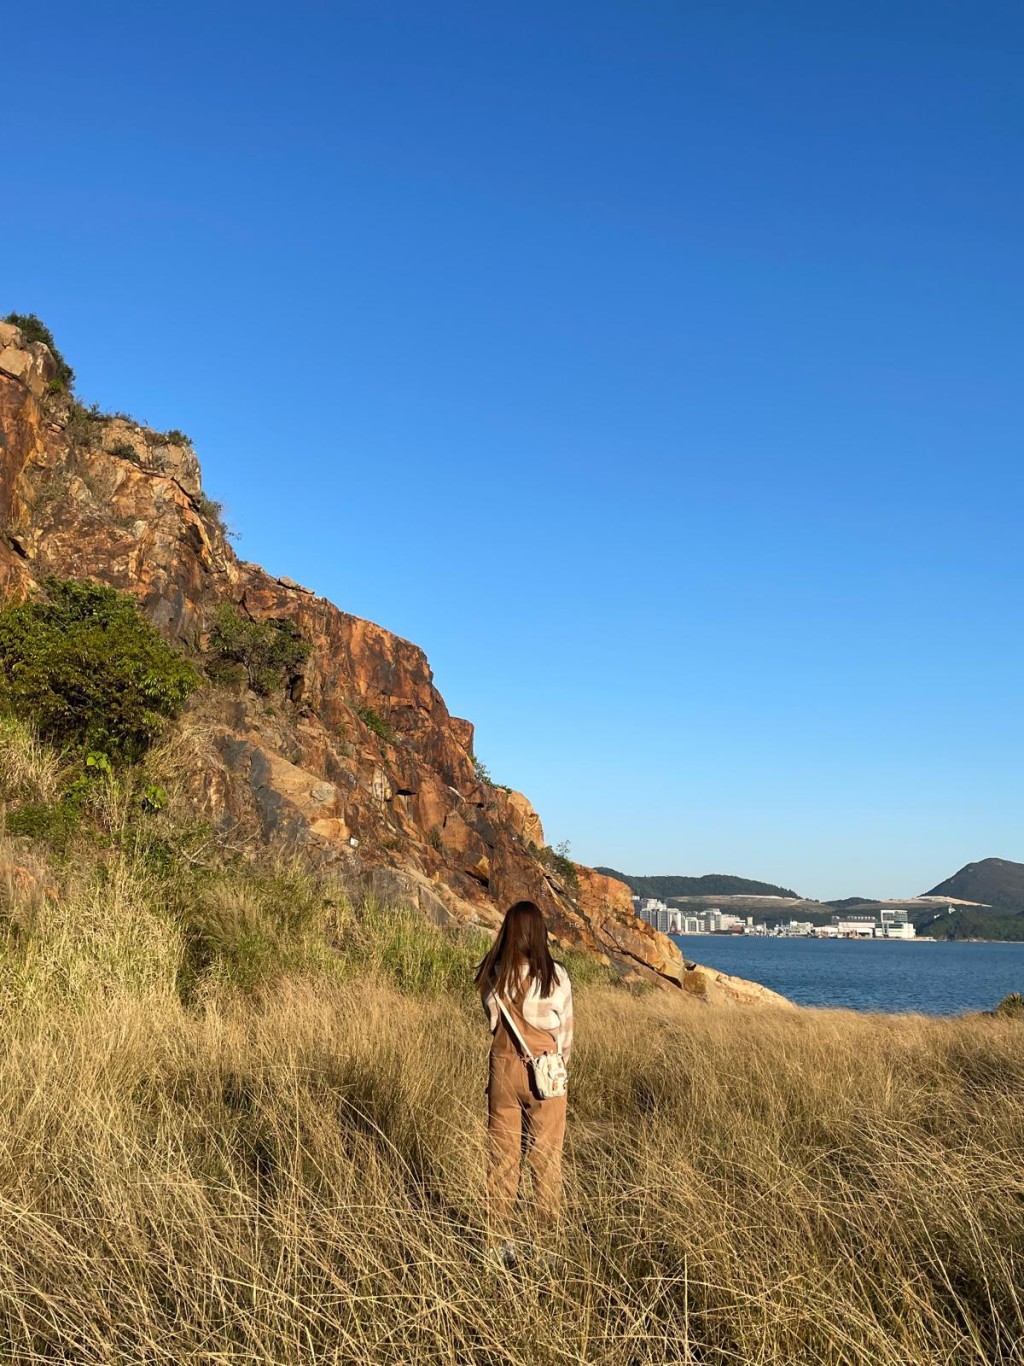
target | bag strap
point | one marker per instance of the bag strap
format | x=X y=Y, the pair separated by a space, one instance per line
x=513 y=1026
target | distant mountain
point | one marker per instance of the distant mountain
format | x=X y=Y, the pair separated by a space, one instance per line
x=997 y=883
x=711 y=884
x=994 y=881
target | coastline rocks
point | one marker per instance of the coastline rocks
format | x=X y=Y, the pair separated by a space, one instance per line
x=720 y=989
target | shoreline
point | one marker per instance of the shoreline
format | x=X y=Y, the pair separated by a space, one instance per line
x=849 y=939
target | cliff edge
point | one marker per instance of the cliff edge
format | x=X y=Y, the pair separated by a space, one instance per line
x=355 y=756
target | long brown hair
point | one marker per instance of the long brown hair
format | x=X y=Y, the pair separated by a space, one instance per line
x=521 y=942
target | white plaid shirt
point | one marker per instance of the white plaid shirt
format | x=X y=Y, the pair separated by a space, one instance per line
x=553 y=1013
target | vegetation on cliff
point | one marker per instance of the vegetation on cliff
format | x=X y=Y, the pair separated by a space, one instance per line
x=84 y=667
x=35 y=330
x=267 y=652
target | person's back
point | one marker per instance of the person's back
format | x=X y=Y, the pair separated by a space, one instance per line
x=528 y=1000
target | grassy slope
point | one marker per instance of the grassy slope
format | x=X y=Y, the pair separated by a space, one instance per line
x=243 y=1122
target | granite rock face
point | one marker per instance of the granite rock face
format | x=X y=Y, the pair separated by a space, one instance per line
x=356 y=758
x=31 y=362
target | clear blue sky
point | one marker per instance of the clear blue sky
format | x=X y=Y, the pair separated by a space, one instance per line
x=656 y=367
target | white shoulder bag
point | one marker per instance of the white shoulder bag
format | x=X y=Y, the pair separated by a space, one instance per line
x=550 y=1074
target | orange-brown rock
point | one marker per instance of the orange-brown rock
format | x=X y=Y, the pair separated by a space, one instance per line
x=715 y=988
x=30 y=362
x=524 y=819
x=607 y=913
x=356 y=757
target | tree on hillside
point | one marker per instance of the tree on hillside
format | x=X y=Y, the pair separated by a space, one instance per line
x=85 y=668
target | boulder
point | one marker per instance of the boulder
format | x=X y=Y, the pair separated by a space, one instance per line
x=524 y=819
x=29 y=362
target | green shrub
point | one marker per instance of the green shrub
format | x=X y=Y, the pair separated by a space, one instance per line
x=269 y=651
x=35 y=330
x=153 y=798
x=124 y=450
x=559 y=863
x=481 y=771
x=85 y=668
x=53 y=822
x=213 y=511
x=375 y=722
x=82 y=425
x=483 y=775
x=175 y=437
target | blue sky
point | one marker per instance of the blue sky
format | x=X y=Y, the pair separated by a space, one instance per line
x=657 y=368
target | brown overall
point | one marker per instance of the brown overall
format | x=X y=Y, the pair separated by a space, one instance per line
x=520 y=1125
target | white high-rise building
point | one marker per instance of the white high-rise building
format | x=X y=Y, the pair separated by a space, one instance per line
x=896 y=929
x=657 y=914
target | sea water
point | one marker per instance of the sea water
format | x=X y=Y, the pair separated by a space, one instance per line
x=930 y=976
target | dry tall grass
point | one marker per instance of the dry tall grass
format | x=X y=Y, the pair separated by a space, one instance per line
x=298 y=1179
x=278 y=1155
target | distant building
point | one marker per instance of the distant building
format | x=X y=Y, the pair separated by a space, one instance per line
x=657 y=914
x=854 y=926
x=668 y=922
x=896 y=929
x=894 y=915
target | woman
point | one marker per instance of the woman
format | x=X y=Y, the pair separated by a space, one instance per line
x=537 y=993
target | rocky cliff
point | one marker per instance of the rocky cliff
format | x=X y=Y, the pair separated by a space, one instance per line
x=357 y=757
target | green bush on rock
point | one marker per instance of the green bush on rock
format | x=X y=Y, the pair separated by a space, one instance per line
x=373 y=720
x=84 y=667
x=269 y=651
x=35 y=330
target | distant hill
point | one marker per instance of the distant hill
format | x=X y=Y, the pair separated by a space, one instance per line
x=711 y=884
x=994 y=881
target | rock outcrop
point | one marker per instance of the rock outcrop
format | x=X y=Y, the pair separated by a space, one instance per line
x=357 y=757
